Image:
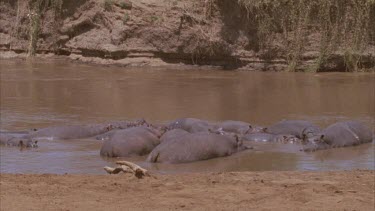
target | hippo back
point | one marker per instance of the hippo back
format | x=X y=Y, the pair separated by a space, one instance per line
x=340 y=134
x=364 y=133
x=347 y=133
x=128 y=142
x=194 y=147
x=70 y=131
x=172 y=135
x=191 y=125
x=231 y=126
x=293 y=127
x=106 y=136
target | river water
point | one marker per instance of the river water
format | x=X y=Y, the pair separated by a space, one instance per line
x=40 y=94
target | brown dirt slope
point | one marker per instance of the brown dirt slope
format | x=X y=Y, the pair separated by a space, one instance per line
x=152 y=32
x=344 y=190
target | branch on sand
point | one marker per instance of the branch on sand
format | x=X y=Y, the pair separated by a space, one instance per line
x=127 y=167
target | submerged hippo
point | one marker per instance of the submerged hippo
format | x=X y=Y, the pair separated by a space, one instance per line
x=266 y=137
x=128 y=124
x=237 y=127
x=340 y=134
x=194 y=147
x=293 y=127
x=70 y=131
x=20 y=140
x=131 y=141
x=191 y=125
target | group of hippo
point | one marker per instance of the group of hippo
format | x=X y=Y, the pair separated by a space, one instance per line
x=189 y=139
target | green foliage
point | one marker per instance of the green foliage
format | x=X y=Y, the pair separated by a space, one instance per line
x=153 y=19
x=124 y=5
x=341 y=25
x=37 y=7
x=125 y=18
x=108 y=4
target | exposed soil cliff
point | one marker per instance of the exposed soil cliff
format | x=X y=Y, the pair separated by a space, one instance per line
x=152 y=32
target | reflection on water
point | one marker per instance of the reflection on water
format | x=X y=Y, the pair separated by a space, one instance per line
x=55 y=93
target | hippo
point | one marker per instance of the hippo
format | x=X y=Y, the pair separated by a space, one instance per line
x=70 y=131
x=237 y=127
x=127 y=124
x=194 y=147
x=259 y=137
x=132 y=141
x=340 y=134
x=266 y=137
x=16 y=139
x=106 y=136
x=172 y=135
x=191 y=125
x=293 y=127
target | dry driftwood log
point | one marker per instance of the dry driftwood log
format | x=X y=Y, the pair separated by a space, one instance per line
x=127 y=167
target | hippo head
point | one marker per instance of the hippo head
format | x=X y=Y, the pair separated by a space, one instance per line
x=163 y=129
x=307 y=132
x=219 y=131
x=255 y=129
x=27 y=143
x=314 y=143
x=141 y=122
x=239 y=143
x=287 y=139
x=110 y=127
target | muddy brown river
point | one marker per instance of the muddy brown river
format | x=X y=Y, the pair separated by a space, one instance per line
x=57 y=92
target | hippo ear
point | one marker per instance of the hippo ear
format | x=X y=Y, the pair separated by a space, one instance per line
x=20 y=143
x=250 y=127
x=321 y=138
x=109 y=127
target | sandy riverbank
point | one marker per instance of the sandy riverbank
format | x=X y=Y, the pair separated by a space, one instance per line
x=341 y=190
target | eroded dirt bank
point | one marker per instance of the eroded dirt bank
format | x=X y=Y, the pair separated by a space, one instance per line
x=342 y=190
x=148 y=32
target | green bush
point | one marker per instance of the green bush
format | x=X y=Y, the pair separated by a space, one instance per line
x=125 y=18
x=343 y=26
x=108 y=4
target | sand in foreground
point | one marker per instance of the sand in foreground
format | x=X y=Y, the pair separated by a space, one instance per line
x=349 y=190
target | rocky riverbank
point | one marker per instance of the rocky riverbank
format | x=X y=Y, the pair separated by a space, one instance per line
x=158 y=33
